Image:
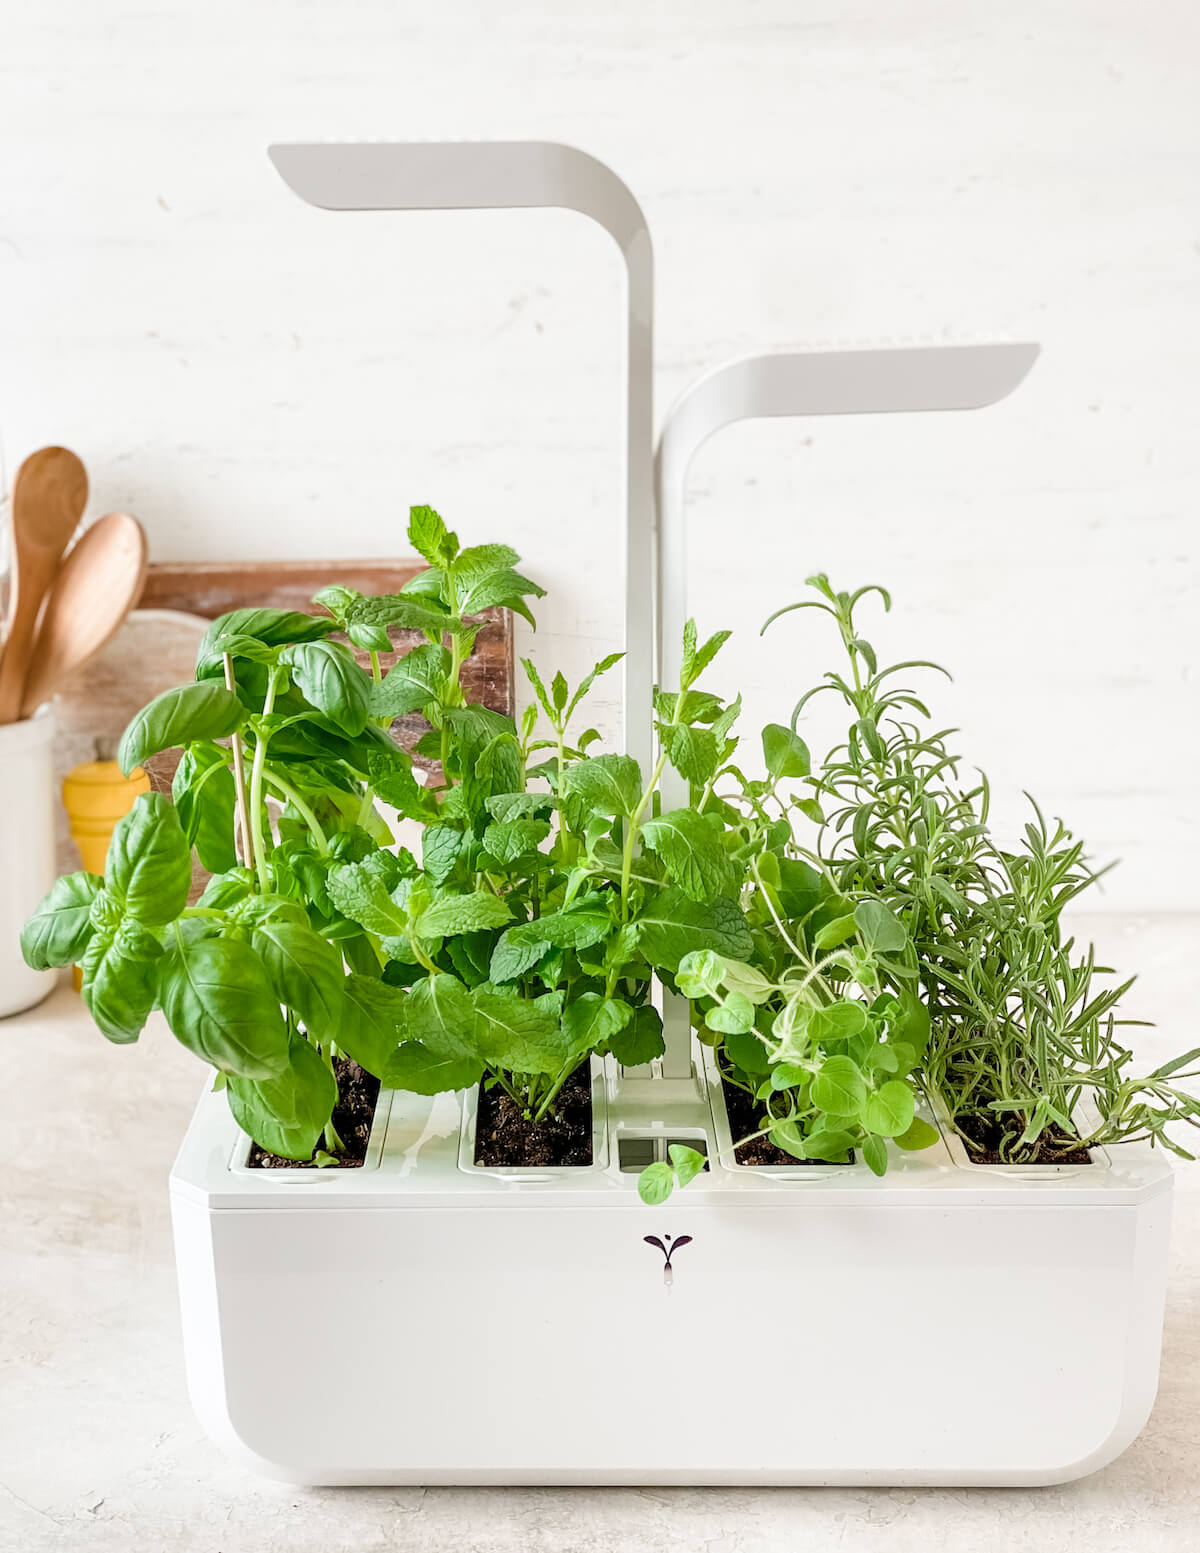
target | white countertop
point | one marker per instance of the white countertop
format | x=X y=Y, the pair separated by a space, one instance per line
x=99 y=1450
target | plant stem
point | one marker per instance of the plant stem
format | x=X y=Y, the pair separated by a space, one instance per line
x=256 y=784
x=632 y=830
x=239 y=774
x=286 y=790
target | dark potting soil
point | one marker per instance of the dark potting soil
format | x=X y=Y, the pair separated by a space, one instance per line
x=746 y=1115
x=504 y=1137
x=984 y=1137
x=358 y=1092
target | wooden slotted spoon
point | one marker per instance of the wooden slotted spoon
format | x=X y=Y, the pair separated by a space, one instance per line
x=49 y=495
x=100 y=582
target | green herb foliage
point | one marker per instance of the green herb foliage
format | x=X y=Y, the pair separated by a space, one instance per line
x=848 y=933
x=1023 y=1048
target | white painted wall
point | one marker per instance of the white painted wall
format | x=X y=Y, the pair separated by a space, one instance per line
x=253 y=376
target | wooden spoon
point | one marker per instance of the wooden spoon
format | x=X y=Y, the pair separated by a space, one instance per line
x=49 y=495
x=100 y=582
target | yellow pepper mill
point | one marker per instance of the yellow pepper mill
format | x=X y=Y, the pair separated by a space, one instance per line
x=95 y=796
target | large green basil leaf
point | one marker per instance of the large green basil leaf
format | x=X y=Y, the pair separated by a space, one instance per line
x=374 y=1024
x=178 y=717
x=306 y=973
x=672 y=925
x=59 y=930
x=219 y=1001
x=227 y=889
x=286 y=1115
x=329 y=676
x=119 y=980
x=148 y=870
x=690 y=850
x=205 y=799
x=270 y=627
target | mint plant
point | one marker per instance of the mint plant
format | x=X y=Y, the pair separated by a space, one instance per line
x=552 y=889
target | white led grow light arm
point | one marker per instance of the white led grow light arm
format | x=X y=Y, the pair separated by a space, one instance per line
x=479 y=175
x=863 y=382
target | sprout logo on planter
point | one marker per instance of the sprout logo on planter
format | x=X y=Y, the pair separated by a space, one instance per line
x=668 y=1250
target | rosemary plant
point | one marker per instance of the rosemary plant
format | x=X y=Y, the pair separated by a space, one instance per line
x=1023 y=1049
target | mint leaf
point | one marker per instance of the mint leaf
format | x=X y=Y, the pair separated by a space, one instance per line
x=360 y=894
x=417 y=679
x=499 y=589
x=672 y=925
x=510 y=840
x=592 y=1020
x=641 y=1040
x=584 y=923
x=440 y=1014
x=606 y=784
x=441 y=846
x=430 y=538
x=512 y=1033
x=690 y=850
x=413 y=1066
x=454 y=914
x=694 y=752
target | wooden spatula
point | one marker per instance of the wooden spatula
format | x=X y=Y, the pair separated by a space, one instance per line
x=99 y=583
x=49 y=495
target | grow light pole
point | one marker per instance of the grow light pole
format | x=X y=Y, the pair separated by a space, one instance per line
x=482 y=175
x=860 y=382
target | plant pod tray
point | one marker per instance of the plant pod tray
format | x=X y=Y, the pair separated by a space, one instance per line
x=415 y=1321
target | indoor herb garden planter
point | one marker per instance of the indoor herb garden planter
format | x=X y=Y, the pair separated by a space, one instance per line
x=799 y=1311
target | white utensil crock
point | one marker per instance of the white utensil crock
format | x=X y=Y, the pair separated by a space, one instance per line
x=27 y=870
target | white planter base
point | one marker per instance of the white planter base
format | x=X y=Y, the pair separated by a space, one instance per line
x=415 y=1322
